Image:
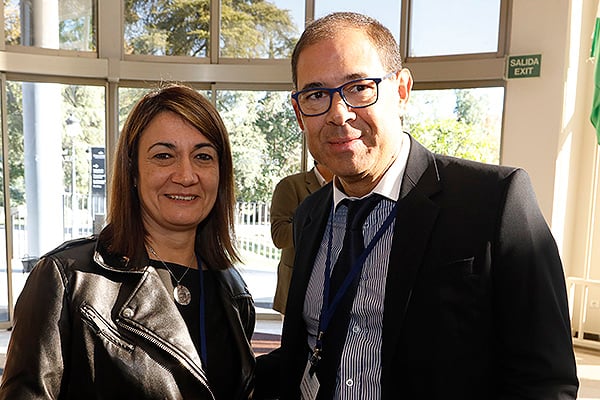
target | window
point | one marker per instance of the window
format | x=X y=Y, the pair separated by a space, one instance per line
x=266 y=145
x=266 y=29
x=57 y=168
x=248 y=30
x=164 y=28
x=385 y=11
x=439 y=27
x=464 y=123
x=58 y=24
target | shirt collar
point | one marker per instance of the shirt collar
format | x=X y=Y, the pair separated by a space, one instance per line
x=389 y=185
x=320 y=178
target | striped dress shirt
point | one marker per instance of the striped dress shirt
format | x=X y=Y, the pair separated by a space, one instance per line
x=359 y=374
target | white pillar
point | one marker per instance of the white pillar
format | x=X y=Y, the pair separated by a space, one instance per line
x=42 y=129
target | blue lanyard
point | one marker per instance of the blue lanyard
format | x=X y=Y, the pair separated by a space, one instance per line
x=328 y=308
x=203 y=355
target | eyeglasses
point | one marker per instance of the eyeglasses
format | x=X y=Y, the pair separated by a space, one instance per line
x=358 y=93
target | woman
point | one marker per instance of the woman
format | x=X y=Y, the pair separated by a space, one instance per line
x=152 y=308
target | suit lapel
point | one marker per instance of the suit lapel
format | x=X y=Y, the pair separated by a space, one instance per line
x=415 y=220
x=312 y=183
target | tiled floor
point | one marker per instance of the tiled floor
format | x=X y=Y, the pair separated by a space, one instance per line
x=588 y=370
x=588 y=361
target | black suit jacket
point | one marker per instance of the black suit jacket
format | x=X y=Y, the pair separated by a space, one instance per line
x=475 y=304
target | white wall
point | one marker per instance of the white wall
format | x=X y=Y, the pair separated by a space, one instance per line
x=534 y=105
x=546 y=128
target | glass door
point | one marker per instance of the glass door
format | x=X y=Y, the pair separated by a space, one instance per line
x=55 y=165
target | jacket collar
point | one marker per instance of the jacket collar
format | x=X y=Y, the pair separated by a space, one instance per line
x=311 y=181
x=115 y=262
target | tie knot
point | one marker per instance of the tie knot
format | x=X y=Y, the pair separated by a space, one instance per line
x=358 y=210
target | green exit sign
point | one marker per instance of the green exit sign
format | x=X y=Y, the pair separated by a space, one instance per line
x=524 y=66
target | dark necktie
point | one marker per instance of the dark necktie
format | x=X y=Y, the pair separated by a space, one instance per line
x=354 y=242
x=335 y=337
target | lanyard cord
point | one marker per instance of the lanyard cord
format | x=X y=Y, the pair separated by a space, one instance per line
x=203 y=349
x=328 y=308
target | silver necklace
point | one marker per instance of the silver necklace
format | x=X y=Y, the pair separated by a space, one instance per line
x=181 y=293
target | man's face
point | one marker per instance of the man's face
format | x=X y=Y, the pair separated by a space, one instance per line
x=357 y=145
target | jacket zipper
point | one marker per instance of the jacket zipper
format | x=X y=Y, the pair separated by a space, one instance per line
x=101 y=327
x=198 y=374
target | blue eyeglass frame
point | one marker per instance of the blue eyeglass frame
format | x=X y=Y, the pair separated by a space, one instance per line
x=338 y=89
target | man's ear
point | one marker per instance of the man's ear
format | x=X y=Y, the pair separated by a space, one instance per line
x=298 y=114
x=405 y=83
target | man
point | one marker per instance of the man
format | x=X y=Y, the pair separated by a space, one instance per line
x=460 y=291
x=288 y=193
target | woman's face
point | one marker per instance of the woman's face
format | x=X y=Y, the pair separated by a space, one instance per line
x=178 y=175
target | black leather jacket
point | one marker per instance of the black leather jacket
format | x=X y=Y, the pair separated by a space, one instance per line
x=90 y=327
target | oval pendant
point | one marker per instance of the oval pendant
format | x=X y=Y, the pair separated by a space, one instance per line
x=182 y=295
